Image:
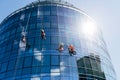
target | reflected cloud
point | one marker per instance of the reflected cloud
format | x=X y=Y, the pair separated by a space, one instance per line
x=55 y=70
x=36 y=51
x=35 y=77
x=55 y=74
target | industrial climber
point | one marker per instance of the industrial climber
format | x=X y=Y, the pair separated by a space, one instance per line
x=61 y=47
x=71 y=50
x=43 y=34
x=25 y=42
x=23 y=39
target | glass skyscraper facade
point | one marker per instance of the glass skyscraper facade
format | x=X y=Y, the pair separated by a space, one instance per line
x=39 y=59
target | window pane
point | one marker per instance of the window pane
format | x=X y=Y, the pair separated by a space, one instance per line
x=94 y=64
x=46 y=60
x=65 y=69
x=72 y=61
x=54 y=40
x=81 y=70
x=88 y=71
x=36 y=70
x=80 y=62
x=45 y=69
x=4 y=67
x=47 y=25
x=47 y=19
x=55 y=60
x=87 y=63
x=11 y=65
x=32 y=26
x=19 y=72
x=36 y=62
x=45 y=78
x=20 y=63
x=26 y=71
x=54 y=19
x=46 y=10
x=2 y=76
x=9 y=74
x=53 y=10
x=60 y=11
x=64 y=61
x=27 y=61
x=55 y=69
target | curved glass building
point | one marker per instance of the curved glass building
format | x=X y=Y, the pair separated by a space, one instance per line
x=26 y=55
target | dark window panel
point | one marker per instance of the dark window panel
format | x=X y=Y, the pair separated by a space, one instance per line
x=45 y=60
x=81 y=70
x=19 y=72
x=11 y=65
x=47 y=10
x=27 y=61
x=32 y=26
x=20 y=62
x=54 y=19
x=10 y=73
x=88 y=71
x=4 y=67
x=94 y=64
x=37 y=60
x=80 y=63
x=47 y=19
x=45 y=78
x=46 y=25
x=47 y=41
x=45 y=69
x=87 y=63
x=36 y=70
x=53 y=10
x=55 y=60
x=26 y=71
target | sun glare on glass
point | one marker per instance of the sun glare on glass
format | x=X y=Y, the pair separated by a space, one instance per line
x=89 y=28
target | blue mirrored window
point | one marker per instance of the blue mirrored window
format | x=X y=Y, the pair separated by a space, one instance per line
x=45 y=60
x=55 y=60
x=28 y=62
x=45 y=69
x=3 y=67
